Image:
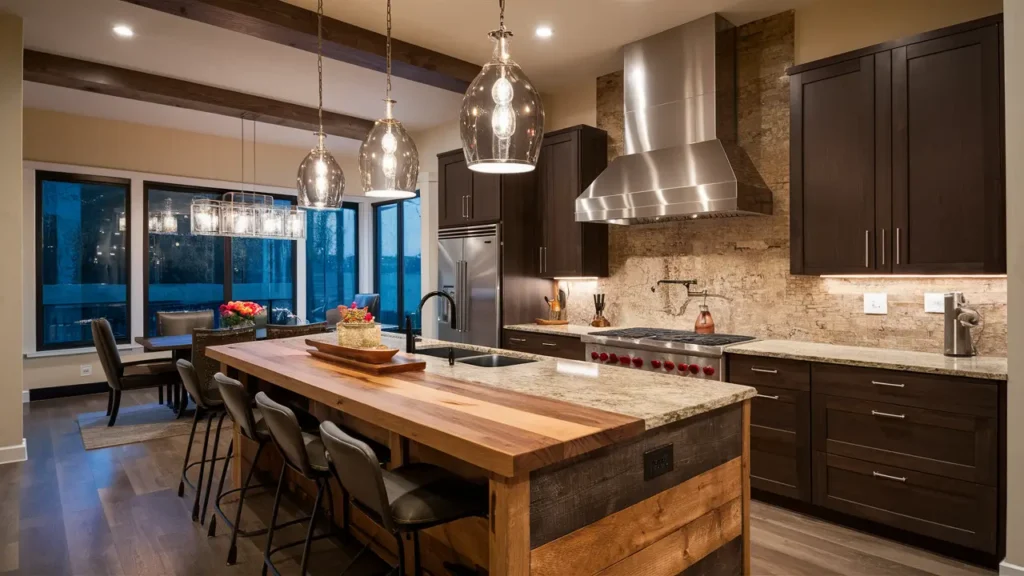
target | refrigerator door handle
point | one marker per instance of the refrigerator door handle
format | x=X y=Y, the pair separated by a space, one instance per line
x=458 y=296
x=465 y=296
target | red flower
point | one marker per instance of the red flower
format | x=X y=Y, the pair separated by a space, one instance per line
x=368 y=317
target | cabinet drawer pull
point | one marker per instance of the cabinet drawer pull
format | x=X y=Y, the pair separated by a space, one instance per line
x=548 y=344
x=867 y=260
x=763 y=370
x=767 y=397
x=888 y=477
x=889 y=384
x=887 y=415
x=517 y=339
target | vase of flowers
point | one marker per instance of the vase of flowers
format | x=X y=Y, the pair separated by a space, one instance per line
x=239 y=314
x=357 y=328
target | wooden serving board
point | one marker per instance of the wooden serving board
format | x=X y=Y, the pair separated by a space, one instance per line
x=542 y=322
x=400 y=363
x=364 y=355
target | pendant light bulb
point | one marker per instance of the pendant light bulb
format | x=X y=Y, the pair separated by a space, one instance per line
x=388 y=160
x=321 y=181
x=502 y=119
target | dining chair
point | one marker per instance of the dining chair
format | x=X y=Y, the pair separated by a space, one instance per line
x=332 y=316
x=132 y=375
x=370 y=301
x=206 y=367
x=177 y=324
x=275 y=331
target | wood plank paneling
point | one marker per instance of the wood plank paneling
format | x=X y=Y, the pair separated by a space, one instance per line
x=627 y=532
x=573 y=494
x=726 y=561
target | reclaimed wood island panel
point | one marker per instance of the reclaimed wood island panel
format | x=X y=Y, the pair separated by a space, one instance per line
x=591 y=469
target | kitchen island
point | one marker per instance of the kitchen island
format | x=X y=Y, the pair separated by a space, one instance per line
x=591 y=469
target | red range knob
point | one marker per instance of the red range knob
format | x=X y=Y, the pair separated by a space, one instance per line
x=638 y=362
x=604 y=356
x=624 y=360
x=709 y=370
x=694 y=368
x=669 y=365
x=655 y=363
x=594 y=355
x=683 y=366
x=612 y=358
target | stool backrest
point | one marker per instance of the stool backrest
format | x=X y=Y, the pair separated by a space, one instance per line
x=192 y=383
x=358 y=471
x=286 y=433
x=238 y=403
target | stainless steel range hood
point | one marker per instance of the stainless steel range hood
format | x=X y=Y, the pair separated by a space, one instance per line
x=681 y=159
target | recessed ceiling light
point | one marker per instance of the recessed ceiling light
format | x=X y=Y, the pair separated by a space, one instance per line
x=124 y=31
x=544 y=32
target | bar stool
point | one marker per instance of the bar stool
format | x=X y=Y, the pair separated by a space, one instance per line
x=404 y=500
x=209 y=404
x=304 y=453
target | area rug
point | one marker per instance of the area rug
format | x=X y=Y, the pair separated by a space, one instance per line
x=136 y=424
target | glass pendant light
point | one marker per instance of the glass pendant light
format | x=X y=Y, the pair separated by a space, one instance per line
x=502 y=119
x=321 y=182
x=388 y=160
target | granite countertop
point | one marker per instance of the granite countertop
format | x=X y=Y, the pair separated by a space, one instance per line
x=573 y=330
x=986 y=367
x=657 y=399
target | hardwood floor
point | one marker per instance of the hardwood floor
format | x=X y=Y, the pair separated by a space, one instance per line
x=115 y=511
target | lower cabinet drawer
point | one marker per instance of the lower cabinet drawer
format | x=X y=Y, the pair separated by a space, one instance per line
x=780 y=450
x=548 y=345
x=958 y=446
x=951 y=510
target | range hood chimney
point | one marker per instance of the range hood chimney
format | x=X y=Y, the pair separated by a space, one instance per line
x=681 y=159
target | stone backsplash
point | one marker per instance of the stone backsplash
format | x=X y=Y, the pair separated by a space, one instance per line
x=743 y=263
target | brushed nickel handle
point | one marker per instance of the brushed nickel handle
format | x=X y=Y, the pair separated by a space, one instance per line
x=767 y=397
x=888 y=415
x=897 y=246
x=540 y=260
x=548 y=344
x=867 y=260
x=889 y=384
x=517 y=339
x=888 y=477
x=763 y=370
x=883 y=246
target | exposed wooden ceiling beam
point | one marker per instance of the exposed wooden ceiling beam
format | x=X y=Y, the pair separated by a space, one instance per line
x=295 y=26
x=113 y=81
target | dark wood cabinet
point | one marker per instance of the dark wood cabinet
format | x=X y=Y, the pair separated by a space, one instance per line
x=568 y=347
x=569 y=161
x=466 y=197
x=896 y=157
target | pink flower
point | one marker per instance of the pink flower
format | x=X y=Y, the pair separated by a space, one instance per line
x=368 y=317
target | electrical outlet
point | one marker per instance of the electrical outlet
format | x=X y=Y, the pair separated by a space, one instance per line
x=935 y=302
x=658 y=462
x=876 y=303
x=85 y=370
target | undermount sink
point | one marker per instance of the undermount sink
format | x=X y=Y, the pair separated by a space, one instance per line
x=494 y=361
x=442 y=352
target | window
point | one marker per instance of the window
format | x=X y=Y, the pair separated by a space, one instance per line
x=186 y=272
x=332 y=259
x=397 y=267
x=82 y=257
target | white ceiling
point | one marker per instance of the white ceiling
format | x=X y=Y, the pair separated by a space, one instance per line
x=587 y=38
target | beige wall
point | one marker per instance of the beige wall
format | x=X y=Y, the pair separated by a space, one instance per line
x=85 y=141
x=1013 y=37
x=11 y=298
x=830 y=27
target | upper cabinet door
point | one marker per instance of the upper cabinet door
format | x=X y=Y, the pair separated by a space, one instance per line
x=948 y=192
x=832 y=169
x=558 y=185
x=455 y=186
x=485 y=203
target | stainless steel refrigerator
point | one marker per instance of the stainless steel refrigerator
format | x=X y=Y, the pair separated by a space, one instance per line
x=469 y=261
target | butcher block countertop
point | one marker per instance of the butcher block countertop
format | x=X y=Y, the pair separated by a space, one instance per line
x=507 y=420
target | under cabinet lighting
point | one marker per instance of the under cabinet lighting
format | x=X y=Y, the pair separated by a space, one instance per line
x=544 y=32
x=124 y=31
x=914 y=276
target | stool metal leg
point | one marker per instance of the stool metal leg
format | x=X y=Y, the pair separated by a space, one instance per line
x=416 y=568
x=233 y=549
x=202 y=469
x=110 y=400
x=401 y=554
x=312 y=526
x=188 y=452
x=213 y=464
x=273 y=520
x=220 y=490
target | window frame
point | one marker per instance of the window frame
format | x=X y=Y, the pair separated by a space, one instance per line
x=401 y=252
x=76 y=178
x=228 y=276
x=355 y=206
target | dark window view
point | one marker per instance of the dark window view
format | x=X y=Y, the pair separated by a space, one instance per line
x=263 y=271
x=186 y=272
x=332 y=259
x=83 y=258
x=397 y=271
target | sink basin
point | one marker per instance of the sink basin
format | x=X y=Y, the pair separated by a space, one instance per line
x=494 y=361
x=442 y=352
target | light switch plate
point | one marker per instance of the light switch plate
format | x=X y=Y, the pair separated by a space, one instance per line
x=876 y=303
x=934 y=302
x=85 y=370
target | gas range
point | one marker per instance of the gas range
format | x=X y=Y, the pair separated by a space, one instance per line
x=658 y=350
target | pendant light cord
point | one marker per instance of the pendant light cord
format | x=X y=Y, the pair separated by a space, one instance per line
x=320 y=63
x=501 y=20
x=387 y=92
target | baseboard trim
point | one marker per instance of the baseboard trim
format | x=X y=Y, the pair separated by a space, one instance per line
x=67 y=391
x=1007 y=569
x=25 y=396
x=15 y=453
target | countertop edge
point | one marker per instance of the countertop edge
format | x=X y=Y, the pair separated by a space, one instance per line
x=825 y=359
x=556 y=330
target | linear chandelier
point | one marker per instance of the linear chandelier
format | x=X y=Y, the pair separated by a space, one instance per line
x=247 y=215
